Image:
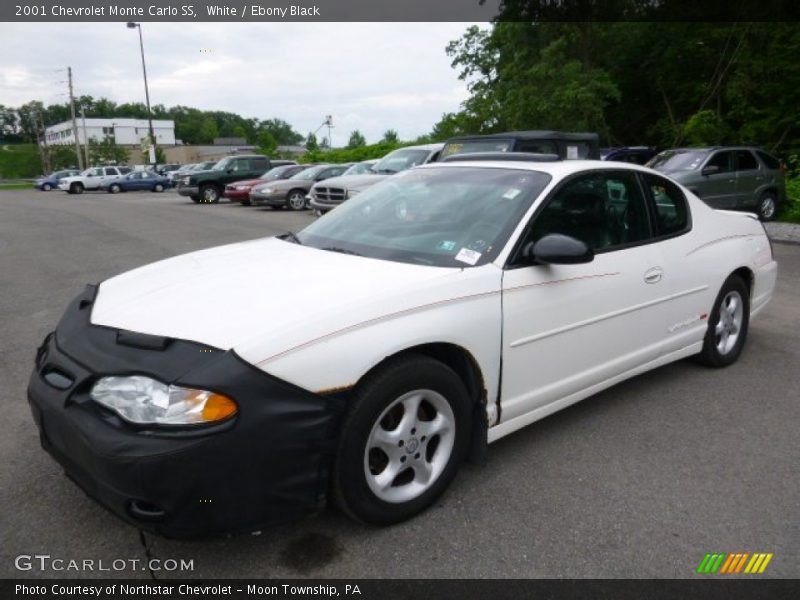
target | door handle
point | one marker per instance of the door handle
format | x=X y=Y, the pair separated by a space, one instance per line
x=653 y=275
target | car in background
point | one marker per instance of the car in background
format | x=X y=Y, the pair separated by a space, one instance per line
x=637 y=155
x=137 y=180
x=239 y=191
x=325 y=197
x=728 y=177
x=434 y=314
x=91 y=179
x=207 y=186
x=167 y=168
x=567 y=146
x=360 y=168
x=45 y=184
x=291 y=193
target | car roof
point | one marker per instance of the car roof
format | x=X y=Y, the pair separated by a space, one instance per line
x=438 y=146
x=530 y=135
x=559 y=168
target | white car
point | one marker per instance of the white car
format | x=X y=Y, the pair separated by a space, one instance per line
x=92 y=179
x=429 y=316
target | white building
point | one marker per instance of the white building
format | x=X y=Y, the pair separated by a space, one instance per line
x=126 y=132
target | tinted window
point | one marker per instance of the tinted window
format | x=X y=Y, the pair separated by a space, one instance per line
x=671 y=210
x=721 y=160
x=259 y=163
x=745 y=161
x=537 y=146
x=770 y=161
x=604 y=210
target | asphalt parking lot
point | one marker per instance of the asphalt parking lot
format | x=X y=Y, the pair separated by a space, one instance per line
x=639 y=481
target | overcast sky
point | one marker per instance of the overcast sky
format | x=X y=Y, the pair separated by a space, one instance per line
x=369 y=76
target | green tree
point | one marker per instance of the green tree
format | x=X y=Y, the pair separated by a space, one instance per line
x=311 y=143
x=266 y=143
x=281 y=131
x=106 y=151
x=356 y=140
x=390 y=136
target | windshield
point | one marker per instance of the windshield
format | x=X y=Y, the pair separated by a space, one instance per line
x=359 y=169
x=221 y=164
x=677 y=160
x=309 y=173
x=400 y=160
x=445 y=217
x=477 y=146
x=275 y=172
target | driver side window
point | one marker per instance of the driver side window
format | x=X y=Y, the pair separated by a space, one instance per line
x=604 y=210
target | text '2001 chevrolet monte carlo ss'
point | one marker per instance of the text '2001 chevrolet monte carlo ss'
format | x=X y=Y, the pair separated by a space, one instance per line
x=401 y=333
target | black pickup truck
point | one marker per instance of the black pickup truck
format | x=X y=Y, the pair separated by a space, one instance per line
x=208 y=186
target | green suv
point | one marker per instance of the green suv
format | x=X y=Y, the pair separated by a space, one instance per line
x=208 y=186
x=728 y=177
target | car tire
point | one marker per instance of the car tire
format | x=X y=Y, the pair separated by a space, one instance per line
x=767 y=206
x=46 y=187
x=76 y=188
x=209 y=194
x=727 y=325
x=114 y=188
x=245 y=202
x=296 y=200
x=391 y=465
x=158 y=188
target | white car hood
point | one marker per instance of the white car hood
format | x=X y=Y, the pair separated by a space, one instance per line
x=264 y=296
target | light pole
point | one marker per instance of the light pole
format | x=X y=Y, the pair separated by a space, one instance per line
x=132 y=25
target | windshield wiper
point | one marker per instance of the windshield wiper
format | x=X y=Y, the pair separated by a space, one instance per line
x=290 y=236
x=341 y=250
x=386 y=171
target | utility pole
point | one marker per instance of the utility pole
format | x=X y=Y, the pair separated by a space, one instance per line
x=74 y=120
x=154 y=155
x=41 y=142
x=85 y=138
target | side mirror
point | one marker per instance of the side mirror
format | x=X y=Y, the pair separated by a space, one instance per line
x=709 y=170
x=557 y=249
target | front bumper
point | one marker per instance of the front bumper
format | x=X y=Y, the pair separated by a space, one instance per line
x=188 y=190
x=236 y=195
x=276 y=199
x=268 y=464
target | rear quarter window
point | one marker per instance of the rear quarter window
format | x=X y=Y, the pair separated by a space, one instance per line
x=769 y=161
x=671 y=208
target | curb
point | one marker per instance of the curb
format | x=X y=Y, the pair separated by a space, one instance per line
x=784 y=233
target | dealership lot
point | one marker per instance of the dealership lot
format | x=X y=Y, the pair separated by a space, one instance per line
x=639 y=481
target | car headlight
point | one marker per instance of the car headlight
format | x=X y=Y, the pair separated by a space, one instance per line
x=146 y=401
x=242 y=187
x=351 y=193
x=266 y=190
x=187 y=180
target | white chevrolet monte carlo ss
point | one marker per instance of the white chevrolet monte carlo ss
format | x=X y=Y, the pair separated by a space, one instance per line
x=434 y=313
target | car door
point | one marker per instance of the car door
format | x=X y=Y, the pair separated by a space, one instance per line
x=749 y=178
x=93 y=179
x=569 y=327
x=137 y=181
x=718 y=188
x=689 y=296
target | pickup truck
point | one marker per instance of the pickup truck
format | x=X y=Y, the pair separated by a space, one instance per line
x=208 y=186
x=92 y=178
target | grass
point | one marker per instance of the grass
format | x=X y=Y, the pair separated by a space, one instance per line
x=790 y=212
x=16 y=185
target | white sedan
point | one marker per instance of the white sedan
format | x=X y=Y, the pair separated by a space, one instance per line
x=429 y=316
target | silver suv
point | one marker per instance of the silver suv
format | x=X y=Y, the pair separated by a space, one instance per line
x=729 y=177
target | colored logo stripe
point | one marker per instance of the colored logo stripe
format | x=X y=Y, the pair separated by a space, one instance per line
x=734 y=562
